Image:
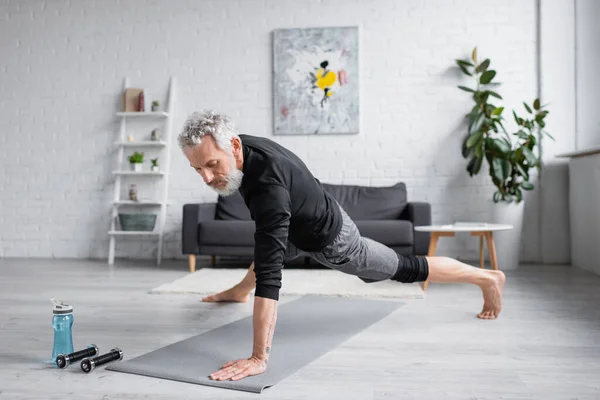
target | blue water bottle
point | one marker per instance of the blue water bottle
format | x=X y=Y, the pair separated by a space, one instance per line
x=62 y=322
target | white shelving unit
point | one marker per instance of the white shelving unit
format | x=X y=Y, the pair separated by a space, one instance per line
x=121 y=173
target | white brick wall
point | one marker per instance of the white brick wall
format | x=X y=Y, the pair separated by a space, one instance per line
x=63 y=65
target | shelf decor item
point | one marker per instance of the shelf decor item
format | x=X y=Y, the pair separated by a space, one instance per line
x=141 y=222
x=154 y=167
x=133 y=193
x=155 y=106
x=141 y=102
x=131 y=99
x=155 y=135
x=136 y=161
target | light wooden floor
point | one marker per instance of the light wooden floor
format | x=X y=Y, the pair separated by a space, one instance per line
x=546 y=345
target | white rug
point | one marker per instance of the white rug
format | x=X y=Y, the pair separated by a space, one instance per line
x=295 y=282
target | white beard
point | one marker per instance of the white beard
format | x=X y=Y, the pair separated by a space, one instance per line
x=234 y=181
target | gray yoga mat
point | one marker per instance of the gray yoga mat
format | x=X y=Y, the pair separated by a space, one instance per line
x=306 y=329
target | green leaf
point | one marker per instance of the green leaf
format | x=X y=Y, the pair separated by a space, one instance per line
x=464 y=70
x=503 y=129
x=522 y=171
x=501 y=146
x=476 y=126
x=487 y=77
x=527 y=108
x=466 y=89
x=496 y=95
x=550 y=136
x=533 y=141
x=471 y=166
x=539 y=117
x=529 y=156
x=523 y=135
x=518 y=119
x=464 y=63
x=478 y=165
x=498 y=111
x=466 y=151
x=483 y=66
x=519 y=195
x=474 y=139
x=496 y=197
x=498 y=169
x=506 y=168
x=474 y=55
x=527 y=185
x=536 y=104
x=478 y=151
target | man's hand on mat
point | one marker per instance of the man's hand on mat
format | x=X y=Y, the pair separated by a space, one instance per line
x=238 y=369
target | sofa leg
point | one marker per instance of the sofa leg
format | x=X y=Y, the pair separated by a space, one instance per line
x=192 y=262
x=213 y=260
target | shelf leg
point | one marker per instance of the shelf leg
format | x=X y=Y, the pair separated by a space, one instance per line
x=160 y=246
x=111 y=251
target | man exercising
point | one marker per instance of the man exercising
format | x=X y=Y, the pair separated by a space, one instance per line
x=295 y=216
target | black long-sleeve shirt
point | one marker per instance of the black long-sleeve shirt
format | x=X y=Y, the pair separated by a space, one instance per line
x=287 y=203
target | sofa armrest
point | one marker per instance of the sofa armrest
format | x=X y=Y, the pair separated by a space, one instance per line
x=419 y=213
x=193 y=214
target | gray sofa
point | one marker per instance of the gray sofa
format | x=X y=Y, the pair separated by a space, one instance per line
x=384 y=214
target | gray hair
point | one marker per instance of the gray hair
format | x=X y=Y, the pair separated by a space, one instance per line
x=207 y=122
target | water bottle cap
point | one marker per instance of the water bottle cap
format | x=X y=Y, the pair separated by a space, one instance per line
x=60 y=307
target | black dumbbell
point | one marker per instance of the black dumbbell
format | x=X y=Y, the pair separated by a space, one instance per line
x=88 y=364
x=64 y=360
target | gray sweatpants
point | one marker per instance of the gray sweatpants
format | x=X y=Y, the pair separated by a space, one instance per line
x=353 y=254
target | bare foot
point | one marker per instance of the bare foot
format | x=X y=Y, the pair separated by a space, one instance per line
x=492 y=295
x=236 y=295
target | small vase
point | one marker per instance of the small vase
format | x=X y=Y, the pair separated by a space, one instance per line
x=155 y=108
x=137 y=167
x=155 y=168
x=133 y=193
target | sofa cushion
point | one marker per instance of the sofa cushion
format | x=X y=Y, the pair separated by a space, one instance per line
x=230 y=233
x=370 y=202
x=232 y=207
x=389 y=233
x=241 y=233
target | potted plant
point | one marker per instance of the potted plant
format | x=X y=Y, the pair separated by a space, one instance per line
x=154 y=167
x=510 y=158
x=155 y=105
x=136 y=160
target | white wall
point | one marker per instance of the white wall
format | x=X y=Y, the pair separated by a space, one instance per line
x=547 y=230
x=61 y=75
x=588 y=64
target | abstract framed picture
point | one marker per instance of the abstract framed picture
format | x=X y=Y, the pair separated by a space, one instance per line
x=316 y=81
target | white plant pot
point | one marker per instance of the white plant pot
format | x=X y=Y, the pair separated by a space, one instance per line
x=137 y=167
x=508 y=242
x=155 y=169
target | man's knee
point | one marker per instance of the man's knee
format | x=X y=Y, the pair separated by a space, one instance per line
x=411 y=269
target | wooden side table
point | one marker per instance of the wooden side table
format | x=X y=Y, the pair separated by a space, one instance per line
x=482 y=230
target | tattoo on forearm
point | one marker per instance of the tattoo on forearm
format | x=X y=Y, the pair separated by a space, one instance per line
x=271 y=329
